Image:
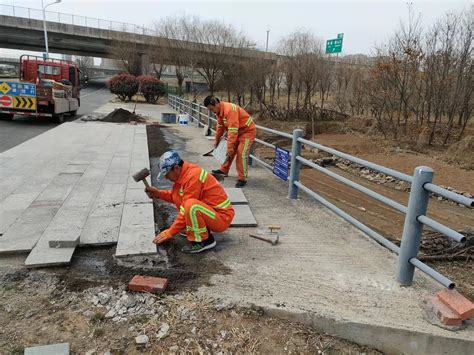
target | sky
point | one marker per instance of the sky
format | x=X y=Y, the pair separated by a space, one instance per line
x=364 y=23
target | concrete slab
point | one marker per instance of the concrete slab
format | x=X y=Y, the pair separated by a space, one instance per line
x=243 y=217
x=43 y=255
x=75 y=169
x=136 y=195
x=136 y=231
x=66 y=238
x=55 y=349
x=236 y=196
x=101 y=230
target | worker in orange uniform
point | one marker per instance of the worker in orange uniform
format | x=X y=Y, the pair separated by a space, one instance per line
x=241 y=132
x=202 y=203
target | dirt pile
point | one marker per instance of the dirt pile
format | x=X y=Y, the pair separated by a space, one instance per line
x=120 y=115
x=462 y=153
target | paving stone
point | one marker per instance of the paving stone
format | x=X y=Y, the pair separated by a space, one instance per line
x=136 y=195
x=243 y=217
x=236 y=196
x=137 y=231
x=21 y=239
x=101 y=230
x=151 y=284
x=18 y=201
x=66 y=238
x=55 y=349
x=43 y=255
x=69 y=218
x=8 y=218
x=75 y=169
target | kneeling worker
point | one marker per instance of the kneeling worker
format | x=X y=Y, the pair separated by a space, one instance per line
x=202 y=203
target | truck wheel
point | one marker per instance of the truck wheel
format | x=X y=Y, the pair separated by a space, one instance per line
x=73 y=113
x=6 y=116
x=58 y=118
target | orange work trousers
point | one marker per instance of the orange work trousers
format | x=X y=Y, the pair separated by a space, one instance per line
x=200 y=217
x=241 y=150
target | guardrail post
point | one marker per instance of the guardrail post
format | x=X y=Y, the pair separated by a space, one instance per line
x=209 y=123
x=295 y=164
x=198 y=115
x=412 y=230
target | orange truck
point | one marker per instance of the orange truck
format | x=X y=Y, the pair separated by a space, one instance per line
x=47 y=88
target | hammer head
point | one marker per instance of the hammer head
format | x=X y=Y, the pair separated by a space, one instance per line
x=142 y=174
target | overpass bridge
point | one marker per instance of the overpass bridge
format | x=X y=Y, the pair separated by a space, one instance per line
x=93 y=37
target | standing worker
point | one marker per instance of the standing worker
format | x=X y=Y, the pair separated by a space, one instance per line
x=241 y=132
x=202 y=203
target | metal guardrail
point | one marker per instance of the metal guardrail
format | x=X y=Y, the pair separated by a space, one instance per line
x=415 y=212
x=70 y=19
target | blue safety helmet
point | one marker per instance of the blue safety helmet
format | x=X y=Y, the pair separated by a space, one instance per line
x=168 y=160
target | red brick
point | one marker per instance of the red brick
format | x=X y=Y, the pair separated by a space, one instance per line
x=457 y=303
x=150 y=284
x=444 y=314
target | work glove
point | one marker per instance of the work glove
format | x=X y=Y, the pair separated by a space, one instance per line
x=162 y=237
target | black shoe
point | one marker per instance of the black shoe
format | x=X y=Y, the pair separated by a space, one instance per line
x=197 y=247
x=219 y=172
x=240 y=183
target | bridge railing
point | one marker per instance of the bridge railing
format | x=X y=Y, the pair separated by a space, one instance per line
x=415 y=212
x=71 y=19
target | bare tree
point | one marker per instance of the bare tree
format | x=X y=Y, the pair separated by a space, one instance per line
x=85 y=64
x=129 y=56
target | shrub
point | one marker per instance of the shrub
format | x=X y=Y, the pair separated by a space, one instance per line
x=151 y=88
x=124 y=86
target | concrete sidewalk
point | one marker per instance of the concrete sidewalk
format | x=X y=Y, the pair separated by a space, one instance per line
x=73 y=185
x=324 y=272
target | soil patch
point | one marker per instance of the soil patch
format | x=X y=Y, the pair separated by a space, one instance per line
x=50 y=313
x=121 y=115
x=462 y=153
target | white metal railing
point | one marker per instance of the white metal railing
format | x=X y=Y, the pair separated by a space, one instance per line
x=415 y=212
x=71 y=19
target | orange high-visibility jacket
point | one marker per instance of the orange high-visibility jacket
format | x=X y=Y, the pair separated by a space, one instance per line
x=236 y=121
x=195 y=182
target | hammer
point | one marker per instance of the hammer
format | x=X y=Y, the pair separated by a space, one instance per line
x=271 y=241
x=142 y=175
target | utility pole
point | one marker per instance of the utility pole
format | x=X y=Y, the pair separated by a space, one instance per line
x=44 y=24
x=266 y=47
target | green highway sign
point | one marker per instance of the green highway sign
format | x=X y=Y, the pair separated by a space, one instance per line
x=334 y=45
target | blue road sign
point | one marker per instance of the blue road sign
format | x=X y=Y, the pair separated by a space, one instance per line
x=17 y=89
x=281 y=163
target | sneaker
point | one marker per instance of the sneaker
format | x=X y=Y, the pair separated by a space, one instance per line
x=219 y=172
x=240 y=183
x=197 y=247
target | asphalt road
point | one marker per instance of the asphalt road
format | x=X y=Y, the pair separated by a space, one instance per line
x=23 y=128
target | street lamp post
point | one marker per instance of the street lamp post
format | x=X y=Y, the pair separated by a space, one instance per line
x=266 y=47
x=44 y=24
